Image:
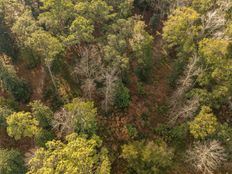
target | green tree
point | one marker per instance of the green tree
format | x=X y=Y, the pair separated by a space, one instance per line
x=4 y=112
x=215 y=55
x=181 y=29
x=147 y=158
x=22 y=124
x=81 y=30
x=204 y=124
x=98 y=11
x=214 y=80
x=11 y=162
x=123 y=35
x=202 y=6
x=84 y=114
x=24 y=26
x=47 y=47
x=42 y=113
x=56 y=15
x=122 y=97
x=123 y=8
x=10 y=10
x=43 y=136
x=11 y=82
x=79 y=155
x=78 y=116
x=140 y=39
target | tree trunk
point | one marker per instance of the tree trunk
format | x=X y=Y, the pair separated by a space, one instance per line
x=51 y=75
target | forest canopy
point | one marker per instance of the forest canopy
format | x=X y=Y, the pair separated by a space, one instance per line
x=115 y=86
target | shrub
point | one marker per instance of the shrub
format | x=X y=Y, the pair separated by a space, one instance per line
x=42 y=137
x=140 y=89
x=154 y=21
x=142 y=4
x=53 y=97
x=162 y=109
x=132 y=131
x=178 y=69
x=20 y=90
x=122 y=97
x=42 y=113
x=144 y=69
x=9 y=102
x=17 y=87
x=11 y=162
x=174 y=135
x=4 y=112
x=31 y=60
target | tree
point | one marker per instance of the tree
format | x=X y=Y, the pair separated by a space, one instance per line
x=181 y=29
x=78 y=116
x=122 y=7
x=180 y=107
x=89 y=69
x=122 y=96
x=24 y=26
x=11 y=162
x=10 y=10
x=141 y=45
x=213 y=23
x=229 y=30
x=42 y=113
x=47 y=47
x=202 y=6
x=117 y=43
x=4 y=112
x=43 y=136
x=217 y=72
x=22 y=124
x=98 y=11
x=204 y=124
x=206 y=157
x=57 y=15
x=85 y=115
x=147 y=158
x=11 y=82
x=79 y=155
x=140 y=39
x=81 y=30
x=110 y=79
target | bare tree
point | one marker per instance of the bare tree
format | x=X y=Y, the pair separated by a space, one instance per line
x=63 y=123
x=206 y=157
x=110 y=78
x=185 y=111
x=179 y=106
x=89 y=69
x=214 y=21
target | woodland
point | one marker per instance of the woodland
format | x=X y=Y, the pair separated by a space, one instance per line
x=115 y=87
